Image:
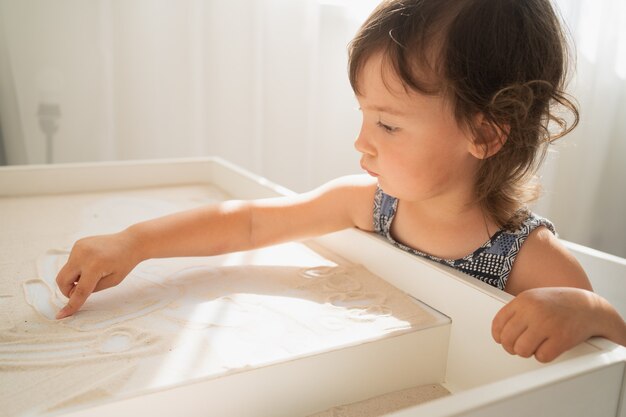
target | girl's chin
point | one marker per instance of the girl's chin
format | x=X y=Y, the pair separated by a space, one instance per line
x=385 y=187
x=391 y=191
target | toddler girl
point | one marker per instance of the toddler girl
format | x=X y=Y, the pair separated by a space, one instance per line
x=457 y=100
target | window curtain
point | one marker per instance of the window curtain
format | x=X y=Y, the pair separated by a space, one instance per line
x=585 y=177
x=262 y=83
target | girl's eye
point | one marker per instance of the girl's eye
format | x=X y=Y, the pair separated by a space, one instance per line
x=386 y=128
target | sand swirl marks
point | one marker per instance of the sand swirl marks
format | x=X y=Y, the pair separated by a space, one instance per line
x=361 y=306
x=42 y=298
x=137 y=296
x=356 y=299
x=343 y=289
x=192 y=318
x=53 y=350
x=330 y=278
x=321 y=271
x=102 y=309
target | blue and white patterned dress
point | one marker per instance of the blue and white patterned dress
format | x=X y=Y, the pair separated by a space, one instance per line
x=491 y=263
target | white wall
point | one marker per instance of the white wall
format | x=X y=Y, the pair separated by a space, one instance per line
x=260 y=82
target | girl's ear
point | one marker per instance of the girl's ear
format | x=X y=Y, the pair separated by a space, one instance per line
x=489 y=138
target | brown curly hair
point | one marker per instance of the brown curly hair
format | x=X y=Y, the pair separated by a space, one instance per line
x=506 y=60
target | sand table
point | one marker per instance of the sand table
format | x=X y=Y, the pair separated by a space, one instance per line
x=171 y=320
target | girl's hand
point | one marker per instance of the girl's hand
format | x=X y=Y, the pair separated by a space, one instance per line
x=95 y=263
x=546 y=322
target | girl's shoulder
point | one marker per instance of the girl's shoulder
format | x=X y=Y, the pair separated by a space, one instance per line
x=543 y=261
x=352 y=196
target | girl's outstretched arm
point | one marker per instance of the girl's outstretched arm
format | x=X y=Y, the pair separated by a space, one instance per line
x=100 y=262
x=546 y=322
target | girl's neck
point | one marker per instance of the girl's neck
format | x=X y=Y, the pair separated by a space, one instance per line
x=449 y=231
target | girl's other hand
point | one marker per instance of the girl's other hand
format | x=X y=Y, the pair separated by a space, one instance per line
x=95 y=263
x=546 y=322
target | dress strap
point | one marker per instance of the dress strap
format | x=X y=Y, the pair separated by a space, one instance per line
x=384 y=210
x=516 y=239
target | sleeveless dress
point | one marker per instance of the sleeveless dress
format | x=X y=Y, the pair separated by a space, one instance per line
x=491 y=263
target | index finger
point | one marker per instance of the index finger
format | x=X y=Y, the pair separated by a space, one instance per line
x=66 y=278
x=78 y=295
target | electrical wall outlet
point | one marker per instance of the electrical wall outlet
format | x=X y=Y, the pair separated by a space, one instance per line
x=49 y=115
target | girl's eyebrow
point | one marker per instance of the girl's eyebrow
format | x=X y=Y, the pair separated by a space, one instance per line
x=385 y=109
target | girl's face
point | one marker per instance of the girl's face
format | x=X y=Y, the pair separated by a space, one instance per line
x=412 y=142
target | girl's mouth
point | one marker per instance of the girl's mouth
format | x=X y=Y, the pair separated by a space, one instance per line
x=373 y=174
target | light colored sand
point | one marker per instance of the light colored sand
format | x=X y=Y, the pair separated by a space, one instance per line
x=387 y=403
x=171 y=320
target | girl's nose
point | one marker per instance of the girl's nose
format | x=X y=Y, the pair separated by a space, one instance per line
x=363 y=145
